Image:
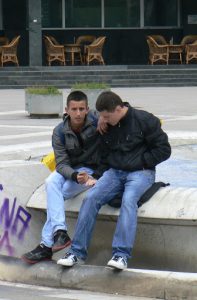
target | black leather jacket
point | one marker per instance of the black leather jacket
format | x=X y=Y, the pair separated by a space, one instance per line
x=137 y=142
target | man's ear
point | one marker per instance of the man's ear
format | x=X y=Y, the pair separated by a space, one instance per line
x=66 y=109
x=118 y=108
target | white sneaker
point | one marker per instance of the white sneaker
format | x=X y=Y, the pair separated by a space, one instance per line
x=118 y=262
x=69 y=260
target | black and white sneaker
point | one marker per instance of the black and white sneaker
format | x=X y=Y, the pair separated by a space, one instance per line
x=70 y=260
x=117 y=262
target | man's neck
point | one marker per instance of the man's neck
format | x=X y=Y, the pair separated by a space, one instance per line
x=76 y=128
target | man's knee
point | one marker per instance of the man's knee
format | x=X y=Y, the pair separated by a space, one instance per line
x=53 y=178
x=130 y=201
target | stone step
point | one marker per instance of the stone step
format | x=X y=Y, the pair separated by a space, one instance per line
x=63 y=77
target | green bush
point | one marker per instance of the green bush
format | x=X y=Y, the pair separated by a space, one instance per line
x=90 y=85
x=48 y=90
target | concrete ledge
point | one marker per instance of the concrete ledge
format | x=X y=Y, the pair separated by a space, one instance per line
x=169 y=203
x=166 y=235
x=133 y=282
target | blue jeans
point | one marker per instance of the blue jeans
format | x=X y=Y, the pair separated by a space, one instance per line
x=59 y=189
x=113 y=182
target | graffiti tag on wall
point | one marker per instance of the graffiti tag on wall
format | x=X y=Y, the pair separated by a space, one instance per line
x=14 y=222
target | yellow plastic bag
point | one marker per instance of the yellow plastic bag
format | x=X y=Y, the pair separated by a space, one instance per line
x=49 y=161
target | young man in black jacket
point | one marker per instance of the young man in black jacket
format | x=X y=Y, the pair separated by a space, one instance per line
x=131 y=148
x=75 y=143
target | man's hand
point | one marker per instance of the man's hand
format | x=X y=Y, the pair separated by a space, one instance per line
x=91 y=181
x=82 y=177
x=102 y=126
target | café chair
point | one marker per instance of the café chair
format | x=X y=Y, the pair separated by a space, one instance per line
x=191 y=52
x=53 y=40
x=174 y=50
x=94 y=51
x=157 y=52
x=54 y=52
x=9 y=52
x=4 y=40
x=159 y=39
x=189 y=39
x=85 y=39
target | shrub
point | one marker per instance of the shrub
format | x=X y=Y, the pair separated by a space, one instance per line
x=48 y=90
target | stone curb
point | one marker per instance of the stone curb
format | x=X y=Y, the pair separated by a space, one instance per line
x=133 y=282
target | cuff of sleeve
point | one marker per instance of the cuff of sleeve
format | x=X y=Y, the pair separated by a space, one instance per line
x=74 y=176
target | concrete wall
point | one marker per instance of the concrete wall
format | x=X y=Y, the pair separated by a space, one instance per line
x=19 y=226
x=166 y=236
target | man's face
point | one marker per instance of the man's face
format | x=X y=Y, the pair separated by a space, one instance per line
x=111 y=118
x=77 y=110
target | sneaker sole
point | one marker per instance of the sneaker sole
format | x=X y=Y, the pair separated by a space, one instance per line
x=32 y=262
x=58 y=248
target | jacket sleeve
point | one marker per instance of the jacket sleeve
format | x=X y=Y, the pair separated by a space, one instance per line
x=157 y=141
x=102 y=166
x=61 y=156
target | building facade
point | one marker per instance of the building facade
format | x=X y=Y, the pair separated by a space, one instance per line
x=125 y=23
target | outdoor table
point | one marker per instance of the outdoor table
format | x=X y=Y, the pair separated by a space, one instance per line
x=73 y=49
x=177 y=49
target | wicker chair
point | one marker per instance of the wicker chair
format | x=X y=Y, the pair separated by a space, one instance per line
x=4 y=40
x=157 y=52
x=54 y=52
x=188 y=39
x=94 y=50
x=53 y=40
x=9 y=52
x=191 y=52
x=160 y=40
x=85 y=39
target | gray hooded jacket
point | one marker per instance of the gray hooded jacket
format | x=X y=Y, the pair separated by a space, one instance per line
x=70 y=153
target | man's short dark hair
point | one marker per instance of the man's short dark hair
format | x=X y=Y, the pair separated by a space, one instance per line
x=77 y=96
x=108 y=101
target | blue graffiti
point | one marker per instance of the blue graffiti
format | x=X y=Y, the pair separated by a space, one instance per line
x=14 y=222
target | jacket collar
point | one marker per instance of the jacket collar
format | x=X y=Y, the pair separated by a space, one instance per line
x=67 y=127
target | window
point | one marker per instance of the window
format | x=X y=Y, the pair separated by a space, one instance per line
x=86 y=13
x=51 y=13
x=110 y=13
x=160 y=13
x=122 y=13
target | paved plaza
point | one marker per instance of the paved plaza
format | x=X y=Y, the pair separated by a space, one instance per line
x=25 y=138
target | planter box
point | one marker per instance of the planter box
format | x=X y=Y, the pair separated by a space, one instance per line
x=43 y=105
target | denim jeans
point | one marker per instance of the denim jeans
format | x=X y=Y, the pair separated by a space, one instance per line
x=59 y=189
x=132 y=185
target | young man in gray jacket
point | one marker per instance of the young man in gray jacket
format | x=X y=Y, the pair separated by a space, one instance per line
x=131 y=148
x=75 y=143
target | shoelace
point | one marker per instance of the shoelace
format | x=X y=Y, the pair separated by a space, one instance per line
x=116 y=258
